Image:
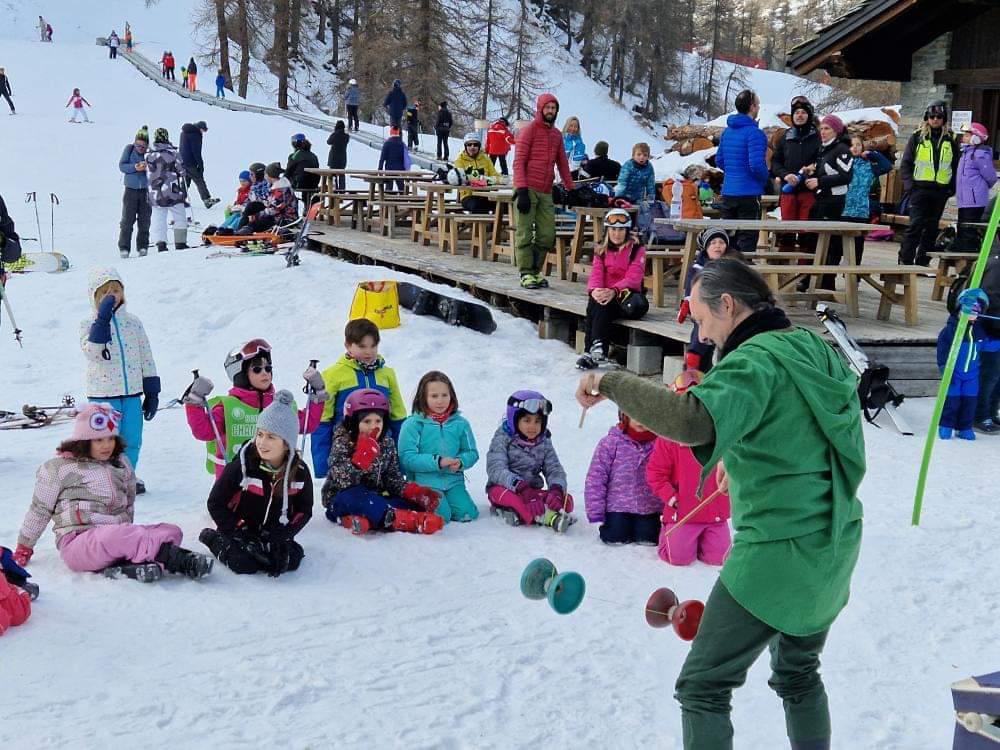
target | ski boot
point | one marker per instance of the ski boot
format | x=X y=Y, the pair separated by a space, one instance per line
x=179 y=560
x=945 y=433
x=142 y=251
x=556 y=520
x=140 y=487
x=358 y=525
x=181 y=246
x=143 y=572
x=416 y=522
x=161 y=247
x=966 y=435
x=209 y=202
x=124 y=254
x=509 y=516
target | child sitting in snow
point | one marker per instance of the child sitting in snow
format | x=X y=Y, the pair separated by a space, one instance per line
x=88 y=491
x=436 y=445
x=674 y=474
x=234 y=416
x=365 y=488
x=234 y=211
x=617 y=495
x=525 y=481
x=267 y=479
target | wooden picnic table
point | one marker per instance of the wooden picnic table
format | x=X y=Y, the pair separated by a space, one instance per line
x=377 y=181
x=823 y=229
x=503 y=214
x=326 y=191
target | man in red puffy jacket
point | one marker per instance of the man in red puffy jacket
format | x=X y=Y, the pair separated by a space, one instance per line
x=538 y=149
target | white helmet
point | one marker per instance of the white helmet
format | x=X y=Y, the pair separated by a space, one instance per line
x=472 y=138
x=353 y=82
x=247 y=351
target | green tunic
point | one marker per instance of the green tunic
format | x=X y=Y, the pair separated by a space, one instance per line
x=787 y=427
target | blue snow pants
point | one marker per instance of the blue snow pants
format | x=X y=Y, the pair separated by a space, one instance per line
x=361 y=501
x=960 y=405
x=131 y=426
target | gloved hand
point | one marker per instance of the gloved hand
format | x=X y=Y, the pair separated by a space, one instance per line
x=100 y=330
x=555 y=497
x=535 y=501
x=684 y=311
x=252 y=544
x=425 y=497
x=366 y=451
x=692 y=361
x=151 y=394
x=199 y=391
x=22 y=555
x=520 y=486
x=316 y=387
x=279 y=551
x=523 y=200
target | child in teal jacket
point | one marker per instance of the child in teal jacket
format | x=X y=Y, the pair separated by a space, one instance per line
x=436 y=445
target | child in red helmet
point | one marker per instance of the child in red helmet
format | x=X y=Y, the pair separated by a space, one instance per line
x=365 y=488
x=976 y=175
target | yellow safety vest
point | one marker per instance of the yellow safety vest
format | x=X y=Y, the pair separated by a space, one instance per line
x=923 y=162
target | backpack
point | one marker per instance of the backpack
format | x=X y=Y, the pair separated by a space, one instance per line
x=652 y=232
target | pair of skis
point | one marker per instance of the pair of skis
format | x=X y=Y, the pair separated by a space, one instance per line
x=32 y=417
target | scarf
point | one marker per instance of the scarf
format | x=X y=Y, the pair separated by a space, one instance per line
x=443 y=416
x=767 y=318
x=640 y=436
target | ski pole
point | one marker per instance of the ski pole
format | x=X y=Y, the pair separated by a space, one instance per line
x=32 y=198
x=308 y=390
x=53 y=202
x=949 y=368
x=693 y=512
x=10 y=314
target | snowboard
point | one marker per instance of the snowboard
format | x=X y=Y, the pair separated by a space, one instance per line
x=453 y=311
x=35 y=262
x=31 y=417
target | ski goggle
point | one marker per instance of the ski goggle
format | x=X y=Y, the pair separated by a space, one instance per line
x=800 y=102
x=105 y=420
x=531 y=405
x=935 y=113
x=618 y=221
x=258 y=369
x=251 y=349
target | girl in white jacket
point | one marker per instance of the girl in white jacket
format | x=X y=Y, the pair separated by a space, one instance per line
x=120 y=367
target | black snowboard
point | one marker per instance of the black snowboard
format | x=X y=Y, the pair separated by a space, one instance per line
x=453 y=311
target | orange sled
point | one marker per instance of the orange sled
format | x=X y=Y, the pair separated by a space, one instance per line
x=233 y=240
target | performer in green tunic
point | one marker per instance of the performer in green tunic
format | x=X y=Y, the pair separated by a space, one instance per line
x=780 y=411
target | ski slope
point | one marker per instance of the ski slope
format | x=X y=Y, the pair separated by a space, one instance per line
x=397 y=640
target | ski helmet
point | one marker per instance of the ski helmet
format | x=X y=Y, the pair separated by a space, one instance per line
x=936 y=107
x=979 y=133
x=618 y=218
x=527 y=402
x=298 y=138
x=712 y=233
x=257 y=169
x=472 y=138
x=238 y=359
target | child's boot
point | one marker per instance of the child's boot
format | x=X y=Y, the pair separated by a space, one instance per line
x=509 y=516
x=966 y=434
x=179 y=560
x=144 y=572
x=416 y=522
x=556 y=520
x=358 y=525
x=945 y=433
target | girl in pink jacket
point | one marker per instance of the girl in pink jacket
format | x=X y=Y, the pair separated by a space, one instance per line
x=77 y=101
x=87 y=491
x=615 y=286
x=674 y=475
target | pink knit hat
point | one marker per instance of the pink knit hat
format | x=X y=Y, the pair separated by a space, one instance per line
x=96 y=421
x=834 y=123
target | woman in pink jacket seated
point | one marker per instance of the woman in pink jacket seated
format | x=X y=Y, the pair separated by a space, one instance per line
x=617 y=494
x=615 y=286
x=674 y=474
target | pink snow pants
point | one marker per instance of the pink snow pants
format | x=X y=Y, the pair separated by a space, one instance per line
x=504 y=498
x=708 y=542
x=97 y=548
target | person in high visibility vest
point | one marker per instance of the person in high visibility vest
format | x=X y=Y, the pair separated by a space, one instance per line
x=928 y=169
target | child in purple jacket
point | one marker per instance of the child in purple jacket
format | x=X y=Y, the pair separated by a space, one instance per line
x=976 y=175
x=617 y=495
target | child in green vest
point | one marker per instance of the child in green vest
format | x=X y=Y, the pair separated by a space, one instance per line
x=184 y=76
x=234 y=416
x=436 y=446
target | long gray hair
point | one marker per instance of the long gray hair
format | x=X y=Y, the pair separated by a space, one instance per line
x=738 y=280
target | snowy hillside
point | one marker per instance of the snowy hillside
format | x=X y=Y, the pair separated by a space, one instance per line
x=396 y=640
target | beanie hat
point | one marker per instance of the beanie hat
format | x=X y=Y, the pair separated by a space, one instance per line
x=601 y=148
x=394 y=131
x=201 y=125
x=245 y=175
x=281 y=418
x=274 y=169
x=96 y=421
x=161 y=136
x=472 y=138
x=834 y=123
x=800 y=102
x=712 y=233
x=143 y=134
x=257 y=168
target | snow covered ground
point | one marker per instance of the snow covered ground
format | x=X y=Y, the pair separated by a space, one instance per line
x=398 y=640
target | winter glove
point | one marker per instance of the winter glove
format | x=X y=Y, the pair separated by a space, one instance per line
x=252 y=544
x=555 y=497
x=197 y=394
x=151 y=400
x=520 y=486
x=692 y=361
x=425 y=497
x=523 y=200
x=366 y=451
x=316 y=386
x=535 y=502
x=685 y=310
x=100 y=330
x=279 y=550
x=22 y=555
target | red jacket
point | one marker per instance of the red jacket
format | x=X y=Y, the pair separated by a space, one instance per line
x=624 y=268
x=673 y=471
x=539 y=147
x=499 y=139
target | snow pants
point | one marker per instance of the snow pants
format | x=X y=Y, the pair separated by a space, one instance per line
x=9 y=102
x=352 y=117
x=729 y=641
x=501 y=497
x=131 y=425
x=708 y=542
x=196 y=175
x=630 y=528
x=989 y=384
x=535 y=234
x=235 y=556
x=77 y=113
x=926 y=207
x=158 y=223
x=113 y=53
x=135 y=209
x=97 y=548
x=456 y=504
x=220 y=91
x=361 y=501
x=503 y=163
x=442 y=145
x=960 y=404
x=742 y=207
x=797 y=207
x=192 y=81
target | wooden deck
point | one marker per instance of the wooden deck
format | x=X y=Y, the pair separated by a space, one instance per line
x=561 y=308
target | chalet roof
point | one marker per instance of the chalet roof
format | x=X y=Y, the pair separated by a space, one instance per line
x=876 y=39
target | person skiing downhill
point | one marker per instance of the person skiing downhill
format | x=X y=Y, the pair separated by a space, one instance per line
x=77 y=101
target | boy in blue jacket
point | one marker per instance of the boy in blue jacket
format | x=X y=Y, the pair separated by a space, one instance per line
x=963 y=391
x=636 y=181
x=741 y=156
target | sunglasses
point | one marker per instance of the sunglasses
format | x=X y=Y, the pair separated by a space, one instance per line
x=935 y=116
x=531 y=405
x=258 y=369
x=618 y=221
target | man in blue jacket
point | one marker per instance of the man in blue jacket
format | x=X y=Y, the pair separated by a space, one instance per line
x=395 y=102
x=741 y=153
x=194 y=164
x=135 y=201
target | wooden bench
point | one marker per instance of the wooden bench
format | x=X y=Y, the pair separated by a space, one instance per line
x=479 y=226
x=660 y=261
x=946 y=262
x=389 y=213
x=425 y=227
x=884 y=279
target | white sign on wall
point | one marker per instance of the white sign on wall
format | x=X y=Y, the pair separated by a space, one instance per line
x=961 y=118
